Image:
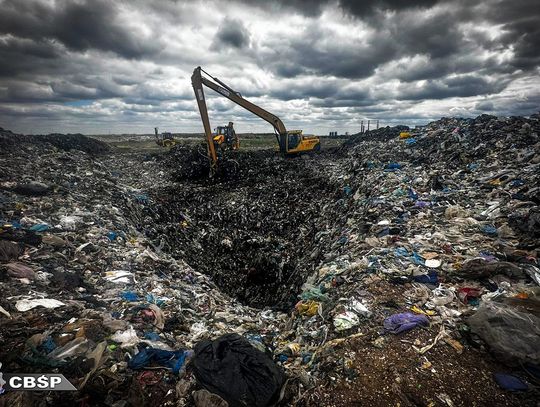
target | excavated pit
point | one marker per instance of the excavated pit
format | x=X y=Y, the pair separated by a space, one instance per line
x=259 y=228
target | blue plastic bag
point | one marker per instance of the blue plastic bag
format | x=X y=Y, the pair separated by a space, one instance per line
x=173 y=360
x=40 y=227
x=130 y=296
x=509 y=382
x=430 y=278
x=392 y=166
x=398 y=323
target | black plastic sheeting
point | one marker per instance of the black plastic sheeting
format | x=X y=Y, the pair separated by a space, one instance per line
x=241 y=374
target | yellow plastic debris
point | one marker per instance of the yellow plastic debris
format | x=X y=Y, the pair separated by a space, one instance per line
x=404 y=134
x=417 y=310
x=294 y=348
x=290 y=349
x=308 y=308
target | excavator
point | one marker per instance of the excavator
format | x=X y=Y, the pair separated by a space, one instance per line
x=225 y=137
x=164 y=139
x=290 y=142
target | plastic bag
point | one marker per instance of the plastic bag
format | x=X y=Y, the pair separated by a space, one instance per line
x=26 y=305
x=242 y=375
x=442 y=296
x=406 y=321
x=308 y=308
x=76 y=347
x=126 y=338
x=148 y=357
x=510 y=330
x=345 y=320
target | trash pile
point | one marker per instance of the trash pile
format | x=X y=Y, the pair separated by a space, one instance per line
x=394 y=271
x=452 y=225
x=66 y=142
x=86 y=294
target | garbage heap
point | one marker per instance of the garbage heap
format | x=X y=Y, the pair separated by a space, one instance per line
x=86 y=294
x=394 y=271
x=442 y=230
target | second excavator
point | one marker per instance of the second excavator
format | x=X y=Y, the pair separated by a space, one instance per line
x=225 y=137
x=290 y=142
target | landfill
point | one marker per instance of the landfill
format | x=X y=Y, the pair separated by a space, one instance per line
x=388 y=271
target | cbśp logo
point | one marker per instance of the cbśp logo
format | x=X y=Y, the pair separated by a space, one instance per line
x=34 y=382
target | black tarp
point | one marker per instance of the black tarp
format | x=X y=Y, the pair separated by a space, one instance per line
x=241 y=374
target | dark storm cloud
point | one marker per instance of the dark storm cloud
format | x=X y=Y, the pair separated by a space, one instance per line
x=467 y=85
x=90 y=24
x=410 y=30
x=231 y=33
x=342 y=58
x=360 y=8
x=123 y=80
x=311 y=53
x=60 y=90
x=24 y=92
x=315 y=89
x=287 y=69
x=435 y=36
x=17 y=113
x=346 y=97
x=428 y=68
x=23 y=57
x=68 y=90
x=484 y=106
x=520 y=20
x=529 y=104
x=344 y=102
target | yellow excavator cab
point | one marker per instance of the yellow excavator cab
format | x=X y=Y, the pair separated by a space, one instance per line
x=297 y=143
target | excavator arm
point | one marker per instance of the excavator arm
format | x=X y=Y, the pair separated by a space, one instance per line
x=198 y=80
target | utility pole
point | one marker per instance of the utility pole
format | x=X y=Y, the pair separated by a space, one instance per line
x=368 y=124
x=377 y=123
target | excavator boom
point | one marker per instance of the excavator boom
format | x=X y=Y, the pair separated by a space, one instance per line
x=198 y=80
x=218 y=86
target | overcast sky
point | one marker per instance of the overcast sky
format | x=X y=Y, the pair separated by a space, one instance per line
x=100 y=66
